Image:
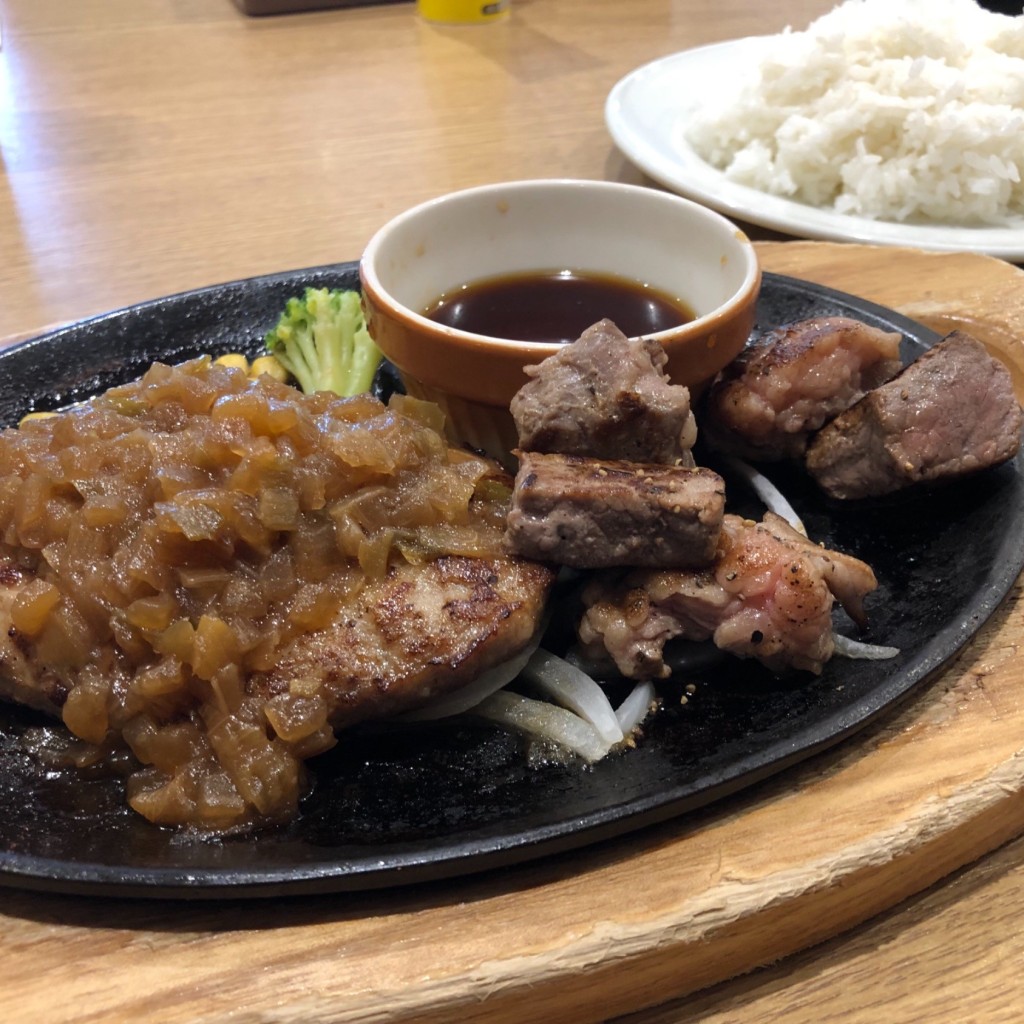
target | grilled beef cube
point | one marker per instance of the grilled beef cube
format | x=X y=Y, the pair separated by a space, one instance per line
x=592 y=513
x=605 y=396
x=781 y=389
x=949 y=414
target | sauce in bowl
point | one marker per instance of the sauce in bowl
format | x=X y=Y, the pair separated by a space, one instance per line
x=557 y=306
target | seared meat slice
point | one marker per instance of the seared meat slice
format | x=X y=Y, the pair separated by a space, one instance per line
x=950 y=413
x=769 y=596
x=592 y=513
x=421 y=631
x=782 y=388
x=396 y=642
x=605 y=396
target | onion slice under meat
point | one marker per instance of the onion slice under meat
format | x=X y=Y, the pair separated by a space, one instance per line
x=773 y=498
x=847 y=648
x=467 y=698
x=635 y=708
x=571 y=687
x=548 y=721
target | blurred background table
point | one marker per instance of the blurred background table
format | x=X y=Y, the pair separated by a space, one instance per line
x=153 y=146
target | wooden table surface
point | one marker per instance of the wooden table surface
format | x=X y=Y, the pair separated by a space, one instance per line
x=152 y=146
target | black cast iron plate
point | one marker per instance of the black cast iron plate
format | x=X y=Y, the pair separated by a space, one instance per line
x=399 y=805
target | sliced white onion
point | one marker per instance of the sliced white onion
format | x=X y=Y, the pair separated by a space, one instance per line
x=470 y=695
x=548 y=721
x=847 y=648
x=573 y=689
x=635 y=708
x=766 y=491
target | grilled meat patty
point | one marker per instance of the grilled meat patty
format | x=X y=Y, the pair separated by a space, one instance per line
x=219 y=572
x=421 y=631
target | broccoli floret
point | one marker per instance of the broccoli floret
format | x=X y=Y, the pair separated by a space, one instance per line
x=322 y=341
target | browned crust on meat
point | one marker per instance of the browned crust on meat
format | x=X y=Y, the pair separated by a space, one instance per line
x=758 y=407
x=422 y=631
x=596 y=513
x=605 y=396
x=790 y=342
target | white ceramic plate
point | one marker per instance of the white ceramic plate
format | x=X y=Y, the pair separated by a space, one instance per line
x=647 y=113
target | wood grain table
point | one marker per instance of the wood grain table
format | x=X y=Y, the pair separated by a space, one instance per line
x=152 y=146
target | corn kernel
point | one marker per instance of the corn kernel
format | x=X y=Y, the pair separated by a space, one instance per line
x=234 y=360
x=35 y=416
x=268 y=365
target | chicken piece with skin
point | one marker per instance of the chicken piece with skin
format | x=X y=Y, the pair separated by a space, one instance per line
x=769 y=596
x=770 y=400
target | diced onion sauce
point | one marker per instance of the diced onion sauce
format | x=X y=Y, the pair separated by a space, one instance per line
x=174 y=533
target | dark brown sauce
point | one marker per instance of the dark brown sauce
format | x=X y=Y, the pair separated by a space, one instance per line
x=556 y=306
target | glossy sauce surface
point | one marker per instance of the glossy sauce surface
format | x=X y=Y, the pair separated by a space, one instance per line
x=556 y=306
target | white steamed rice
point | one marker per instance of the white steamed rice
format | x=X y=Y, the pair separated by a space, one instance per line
x=903 y=110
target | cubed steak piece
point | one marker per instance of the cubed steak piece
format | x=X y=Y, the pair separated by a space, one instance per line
x=950 y=413
x=605 y=396
x=592 y=513
x=768 y=595
x=782 y=388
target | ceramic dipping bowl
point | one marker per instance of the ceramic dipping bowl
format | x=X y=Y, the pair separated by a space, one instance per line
x=654 y=239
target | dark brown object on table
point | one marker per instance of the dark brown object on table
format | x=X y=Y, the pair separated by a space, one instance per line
x=590 y=513
x=949 y=414
x=420 y=631
x=605 y=396
x=259 y=7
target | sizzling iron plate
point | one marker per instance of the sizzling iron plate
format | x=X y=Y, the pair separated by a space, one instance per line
x=398 y=805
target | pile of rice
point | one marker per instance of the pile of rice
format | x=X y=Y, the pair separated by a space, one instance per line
x=900 y=110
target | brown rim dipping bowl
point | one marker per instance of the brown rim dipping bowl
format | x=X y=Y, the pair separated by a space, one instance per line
x=641 y=234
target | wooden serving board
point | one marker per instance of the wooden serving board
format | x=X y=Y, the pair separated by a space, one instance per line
x=589 y=935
